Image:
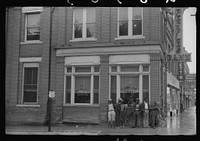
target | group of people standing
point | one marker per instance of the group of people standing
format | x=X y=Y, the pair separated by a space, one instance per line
x=140 y=114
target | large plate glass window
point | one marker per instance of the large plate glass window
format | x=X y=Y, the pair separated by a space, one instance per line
x=129 y=87
x=82 y=85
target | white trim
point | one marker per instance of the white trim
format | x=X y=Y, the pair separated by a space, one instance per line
x=27 y=65
x=31 y=42
x=84 y=23
x=72 y=89
x=83 y=39
x=30 y=59
x=82 y=60
x=25 y=105
x=64 y=97
x=31 y=9
x=130 y=59
x=136 y=49
x=130 y=37
x=140 y=88
x=92 y=85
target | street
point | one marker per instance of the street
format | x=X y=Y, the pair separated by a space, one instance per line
x=183 y=124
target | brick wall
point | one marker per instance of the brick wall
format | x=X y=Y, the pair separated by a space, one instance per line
x=104 y=86
x=14 y=72
x=106 y=26
x=155 y=78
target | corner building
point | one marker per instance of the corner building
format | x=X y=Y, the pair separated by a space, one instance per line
x=97 y=53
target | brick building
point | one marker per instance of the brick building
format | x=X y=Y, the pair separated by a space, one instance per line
x=96 y=54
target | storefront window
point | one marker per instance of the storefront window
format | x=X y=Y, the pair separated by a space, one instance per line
x=125 y=80
x=86 y=85
x=113 y=91
x=68 y=89
x=82 y=89
x=129 y=87
x=96 y=90
x=145 y=86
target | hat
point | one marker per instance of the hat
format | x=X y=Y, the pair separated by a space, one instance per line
x=120 y=100
x=110 y=100
x=137 y=99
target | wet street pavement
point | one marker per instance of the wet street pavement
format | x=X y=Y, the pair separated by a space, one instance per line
x=183 y=124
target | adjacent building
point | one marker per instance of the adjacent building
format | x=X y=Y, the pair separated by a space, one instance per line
x=91 y=54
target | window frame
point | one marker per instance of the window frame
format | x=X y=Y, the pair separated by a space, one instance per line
x=73 y=74
x=119 y=73
x=26 y=26
x=30 y=65
x=84 y=27
x=130 y=25
x=30 y=10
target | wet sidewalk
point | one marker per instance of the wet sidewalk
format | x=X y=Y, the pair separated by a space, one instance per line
x=183 y=124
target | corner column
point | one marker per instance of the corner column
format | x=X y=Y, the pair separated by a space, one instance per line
x=104 y=86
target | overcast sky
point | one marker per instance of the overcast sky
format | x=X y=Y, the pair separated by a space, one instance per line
x=189 y=35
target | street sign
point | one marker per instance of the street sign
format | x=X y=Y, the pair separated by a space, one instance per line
x=51 y=94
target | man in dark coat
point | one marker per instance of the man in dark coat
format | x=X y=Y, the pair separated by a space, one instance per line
x=136 y=115
x=154 y=115
x=118 y=111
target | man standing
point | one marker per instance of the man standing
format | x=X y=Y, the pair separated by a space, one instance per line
x=154 y=115
x=118 y=111
x=111 y=114
x=136 y=115
x=145 y=110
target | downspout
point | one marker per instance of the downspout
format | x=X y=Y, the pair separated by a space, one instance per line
x=48 y=112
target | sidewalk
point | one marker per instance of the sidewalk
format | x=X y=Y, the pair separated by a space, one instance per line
x=184 y=124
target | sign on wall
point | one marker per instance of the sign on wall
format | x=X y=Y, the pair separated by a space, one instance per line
x=179 y=57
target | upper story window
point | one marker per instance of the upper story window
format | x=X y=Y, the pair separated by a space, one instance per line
x=32 y=23
x=84 y=23
x=130 y=21
x=32 y=26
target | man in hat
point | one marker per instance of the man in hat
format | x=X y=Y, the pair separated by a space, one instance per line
x=111 y=114
x=118 y=111
x=136 y=115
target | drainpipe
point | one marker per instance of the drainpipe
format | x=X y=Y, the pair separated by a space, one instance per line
x=49 y=102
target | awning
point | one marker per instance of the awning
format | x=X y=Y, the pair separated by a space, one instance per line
x=172 y=81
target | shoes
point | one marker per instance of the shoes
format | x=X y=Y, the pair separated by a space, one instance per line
x=133 y=127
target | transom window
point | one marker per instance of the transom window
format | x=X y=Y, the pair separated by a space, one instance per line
x=84 y=23
x=32 y=26
x=30 y=83
x=130 y=21
x=82 y=85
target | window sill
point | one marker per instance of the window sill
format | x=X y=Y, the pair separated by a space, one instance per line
x=130 y=37
x=83 y=40
x=81 y=105
x=31 y=42
x=27 y=105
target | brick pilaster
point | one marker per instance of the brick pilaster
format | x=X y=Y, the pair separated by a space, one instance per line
x=104 y=87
